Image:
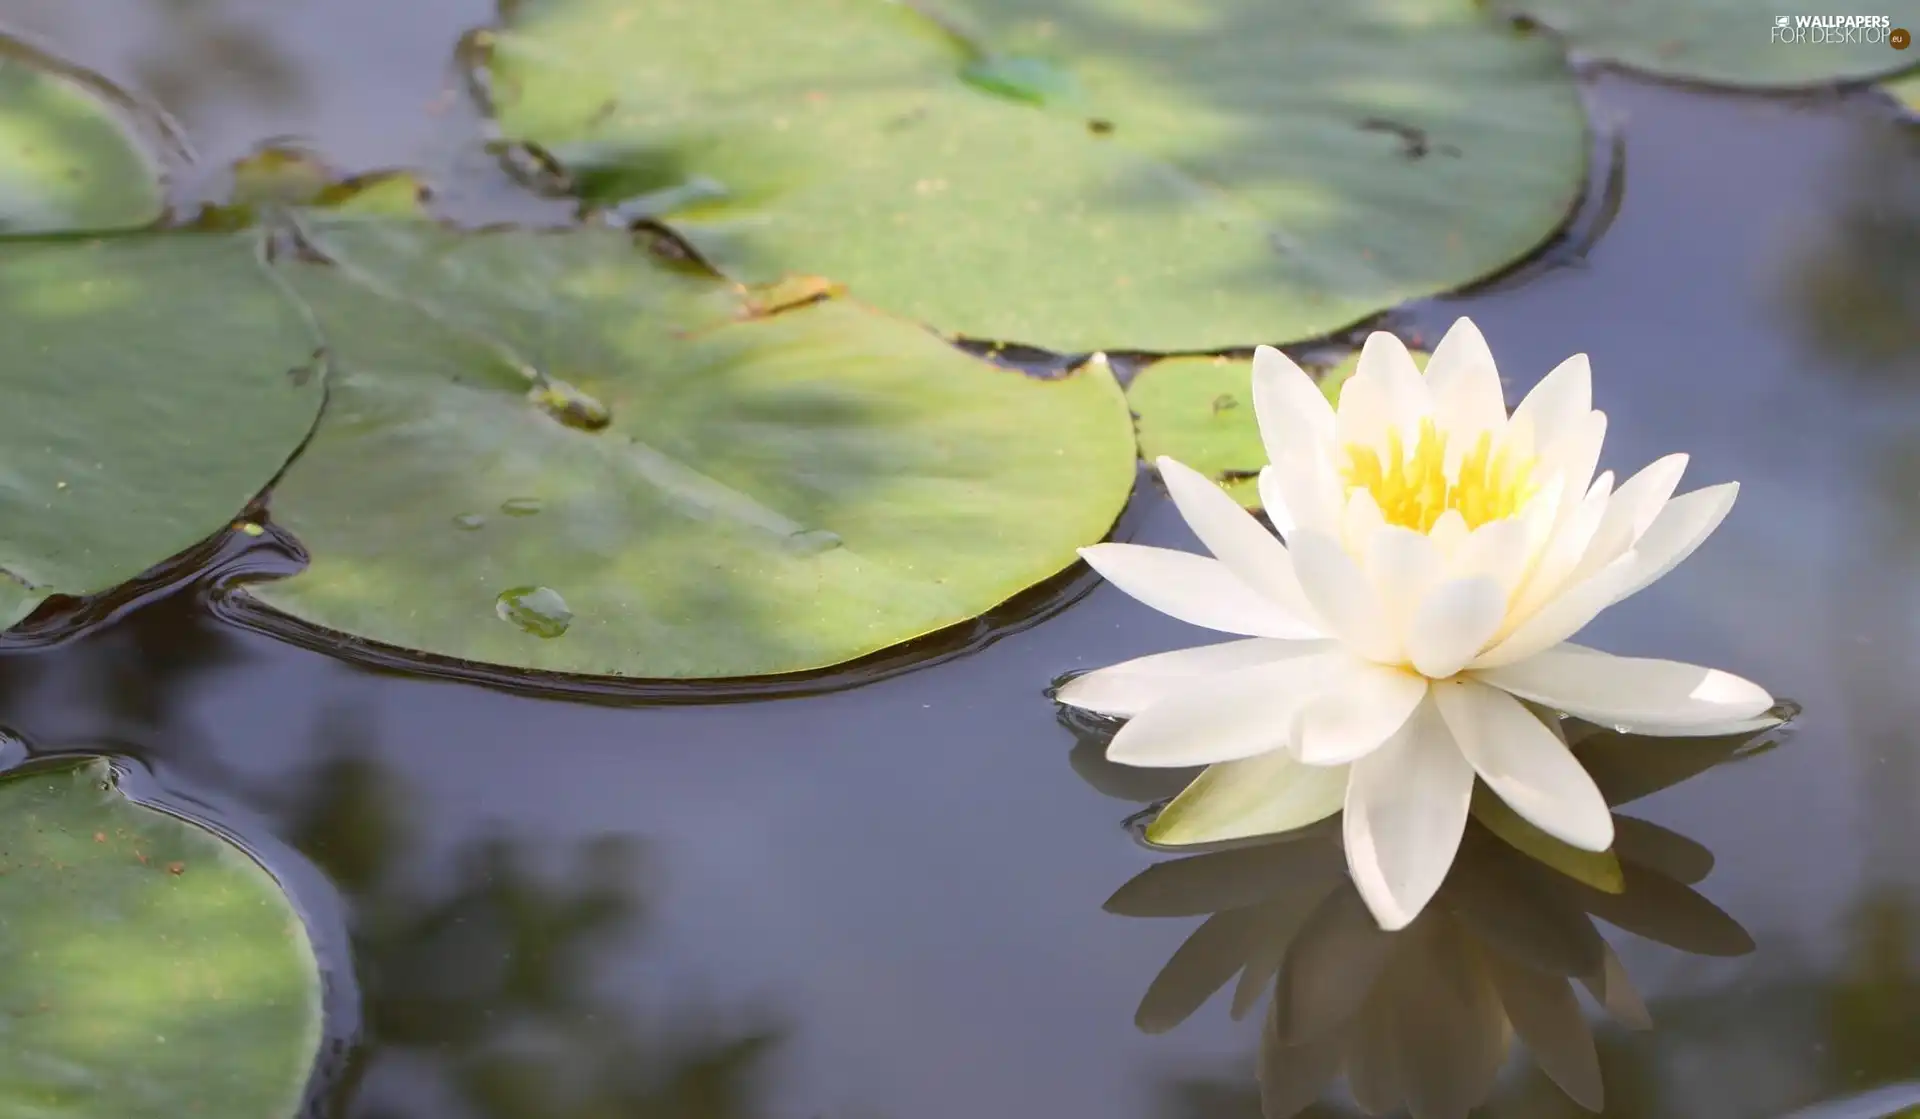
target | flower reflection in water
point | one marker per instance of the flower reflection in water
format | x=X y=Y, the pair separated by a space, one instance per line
x=1423 y=1019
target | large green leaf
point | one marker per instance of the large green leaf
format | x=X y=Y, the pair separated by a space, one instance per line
x=68 y=158
x=554 y=452
x=1199 y=410
x=17 y=600
x=154 y=384
x=1121 y=174
x=148 y=968
x=1726 y=42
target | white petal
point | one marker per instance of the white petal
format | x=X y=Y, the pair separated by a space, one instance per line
x=1562 y=397
x=1360 y=521
x=1449 y=533
x=1633 y=507
x=1386 y=392
x=1195 y=589
x=1523 y=762
x=1238 y=540
x=1542 y=513
x=1625 y=691
x=1497 y=550
x=1406 y=810
x=1457 y=619
x=1129 y=687
x=1385 y=357
x=1274 y=502
x=1253 y=796
x=1308 y=490
x=1365 y=414
x=1341 y=596
x=1466 y=387
x=1563 y=615
x=1556 y=561
x=1222 y=718
x=1360 y=706
x=1706 y=730
x=1404 y=566
x=1573 y=459
x=1292 y=411
x=1682 y=525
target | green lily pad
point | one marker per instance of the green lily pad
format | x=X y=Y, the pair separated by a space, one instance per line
x=1174 y=175
x=1736 y=43
x=17 y=600
x=154 y=385
x=551 y=451
x=148 y=968
x=1599 y=869
x=1199 y=410
x=69 y=158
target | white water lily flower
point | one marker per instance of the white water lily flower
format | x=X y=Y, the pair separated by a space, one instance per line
x=1437 y=555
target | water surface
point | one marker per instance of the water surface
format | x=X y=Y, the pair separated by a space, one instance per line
x=886 y=901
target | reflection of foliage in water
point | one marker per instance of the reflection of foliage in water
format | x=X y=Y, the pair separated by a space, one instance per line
x=1807 y=1032
x=207 y=54
x=487 y=977
x=215 y=58
x=1871 y=1012
x=1424 y=1018
x=494 y=978
x=1855 y=291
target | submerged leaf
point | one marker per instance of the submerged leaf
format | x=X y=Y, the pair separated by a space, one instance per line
x=149 y=969
x=1192 y=175
x=276 y=179
x=688 y=489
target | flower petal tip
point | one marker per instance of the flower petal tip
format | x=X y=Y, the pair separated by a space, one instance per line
x=1139 y=759
x=1390 y=918
x=1596 y=838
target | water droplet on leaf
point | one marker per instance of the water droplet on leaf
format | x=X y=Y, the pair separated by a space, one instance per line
x=520 y=506
x=814 y=541
x=469 y=521
x=539 y=611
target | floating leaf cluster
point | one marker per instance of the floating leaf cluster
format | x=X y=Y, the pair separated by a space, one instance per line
x=709 y=422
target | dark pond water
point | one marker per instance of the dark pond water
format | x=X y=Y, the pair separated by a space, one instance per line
x=887 y=901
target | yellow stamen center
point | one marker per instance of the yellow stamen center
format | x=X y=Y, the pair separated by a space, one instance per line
x=1413 y=489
